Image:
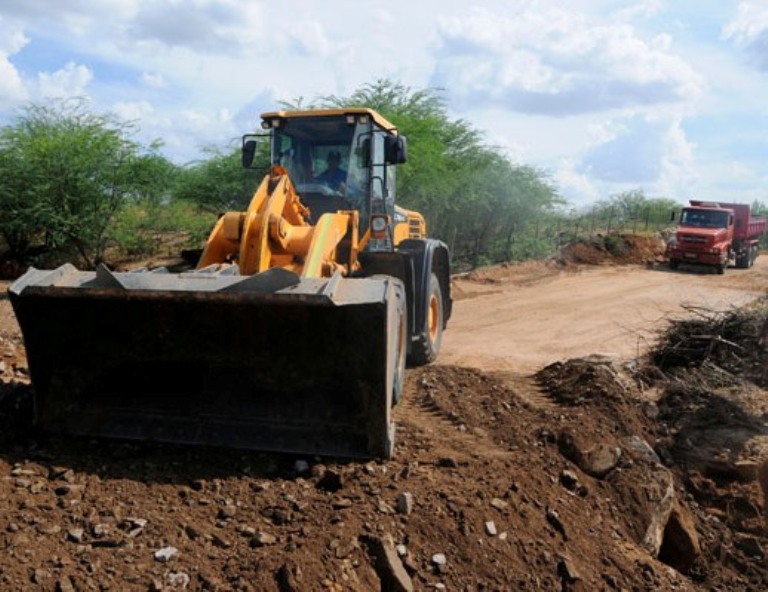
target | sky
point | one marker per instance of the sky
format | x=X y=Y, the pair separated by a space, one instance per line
x=668 y=97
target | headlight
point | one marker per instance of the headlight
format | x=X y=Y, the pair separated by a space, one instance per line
x=379 y=223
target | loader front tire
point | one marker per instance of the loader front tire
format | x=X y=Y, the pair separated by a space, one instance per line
x=426 y=346
x=398 y=380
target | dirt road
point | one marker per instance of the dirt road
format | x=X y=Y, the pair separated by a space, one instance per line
x=524 y=317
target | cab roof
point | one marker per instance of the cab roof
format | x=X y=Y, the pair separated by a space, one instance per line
x=376 y=117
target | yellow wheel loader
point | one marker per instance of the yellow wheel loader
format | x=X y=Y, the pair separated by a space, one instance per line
x=291 y=334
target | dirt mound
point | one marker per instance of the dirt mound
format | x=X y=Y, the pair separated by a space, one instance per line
x=616 y=249
x=488 y=492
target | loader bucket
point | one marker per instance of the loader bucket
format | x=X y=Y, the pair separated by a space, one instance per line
x=266 y=362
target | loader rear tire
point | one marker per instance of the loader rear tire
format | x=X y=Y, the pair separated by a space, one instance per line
x=426 y=346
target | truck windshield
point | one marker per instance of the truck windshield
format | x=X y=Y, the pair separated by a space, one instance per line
x=704 y=218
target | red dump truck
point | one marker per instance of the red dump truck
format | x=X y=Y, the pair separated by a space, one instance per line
x=715 y=234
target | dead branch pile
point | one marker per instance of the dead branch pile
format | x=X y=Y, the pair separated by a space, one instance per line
x=719 y=342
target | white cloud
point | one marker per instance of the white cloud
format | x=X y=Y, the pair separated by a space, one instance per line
x=134 y=111
x=70 y=81
x=309 y=38
x=208 y=26
x=557 y=63
x=580 y=188
x=644 y=9
x=749 y=30
x=650 y=153
x=12 y=89
x=153 y=79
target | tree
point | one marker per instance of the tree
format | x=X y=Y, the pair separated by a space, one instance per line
x=471 y=195
x=220 y=183
x=634 y=210
x=68 y=172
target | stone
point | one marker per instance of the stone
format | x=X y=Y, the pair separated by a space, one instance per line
x=554 y=519
x=404 y=503
x=165 y=554
x=439 y=559
x=330 y=481
x=263 y=539
x=227 y=512
x=177 y=580
x=341 y=503
x=490 y=528
x=569 y=574
x=569 y=479
x=597 y=460
x=75 y=535
x=641 y=450
x=499 y=504
x=388 y=566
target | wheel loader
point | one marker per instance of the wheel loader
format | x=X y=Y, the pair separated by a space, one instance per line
x=291 y=334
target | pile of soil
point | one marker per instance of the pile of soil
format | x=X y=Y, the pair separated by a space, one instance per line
x=615 y=249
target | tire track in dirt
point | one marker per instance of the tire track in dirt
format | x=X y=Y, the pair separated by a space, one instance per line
x=431 y=428
x=528 y=389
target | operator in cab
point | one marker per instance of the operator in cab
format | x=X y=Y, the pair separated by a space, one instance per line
x=334 y=176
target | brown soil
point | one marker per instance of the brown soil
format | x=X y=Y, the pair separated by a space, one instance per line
x=541 y=452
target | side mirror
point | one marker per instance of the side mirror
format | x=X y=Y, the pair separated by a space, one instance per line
x=249 y=151
x=395 y=149
x=672 y=216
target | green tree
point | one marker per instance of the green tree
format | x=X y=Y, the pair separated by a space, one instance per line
x=67 y=173
x=634 y=211
x=219 y=182
x=471 y=195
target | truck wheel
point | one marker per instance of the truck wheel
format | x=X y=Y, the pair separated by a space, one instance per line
x=674 y=263
x=427 y=344
x=721 y=268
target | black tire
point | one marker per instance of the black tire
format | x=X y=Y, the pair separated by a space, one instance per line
x=674 y=263
x=721 y=268
x=426 y=346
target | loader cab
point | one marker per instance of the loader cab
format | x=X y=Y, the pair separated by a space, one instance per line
x=340 y=159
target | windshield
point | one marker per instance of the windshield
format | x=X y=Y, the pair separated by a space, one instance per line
x=319 y=153
x=704 y=218
x=336 y=165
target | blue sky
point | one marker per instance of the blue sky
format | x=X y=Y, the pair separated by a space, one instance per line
x=666 y=96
